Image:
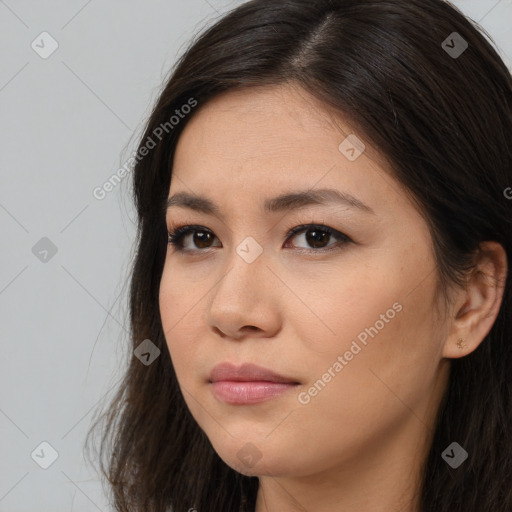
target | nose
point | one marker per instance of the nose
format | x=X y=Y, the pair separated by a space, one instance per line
x=244 y=303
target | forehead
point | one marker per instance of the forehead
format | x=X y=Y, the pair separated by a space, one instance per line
x=265 y=141
x=278 y=127
x=261 y=121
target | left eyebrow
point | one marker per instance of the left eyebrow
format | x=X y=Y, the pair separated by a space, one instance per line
x=287 y=201
x=323 y=196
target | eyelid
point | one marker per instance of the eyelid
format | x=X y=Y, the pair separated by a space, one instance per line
x=178 y=233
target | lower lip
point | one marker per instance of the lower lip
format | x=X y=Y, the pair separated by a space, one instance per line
x=248 y=392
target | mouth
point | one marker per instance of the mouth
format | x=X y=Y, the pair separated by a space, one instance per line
x=248 y=383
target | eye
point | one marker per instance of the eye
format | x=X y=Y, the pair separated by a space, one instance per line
x=316 y=235
x=200 y=236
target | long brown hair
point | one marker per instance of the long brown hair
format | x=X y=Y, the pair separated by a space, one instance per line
x=441 y=113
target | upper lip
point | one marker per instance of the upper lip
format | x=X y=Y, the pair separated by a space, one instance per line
x=246 y=372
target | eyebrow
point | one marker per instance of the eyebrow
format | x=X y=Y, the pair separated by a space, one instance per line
x=283 y=202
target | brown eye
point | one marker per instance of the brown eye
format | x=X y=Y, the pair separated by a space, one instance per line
x=318 y=237
x=201 y=238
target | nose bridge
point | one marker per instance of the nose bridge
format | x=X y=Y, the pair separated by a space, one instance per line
x=244 y=295
x=247 y=270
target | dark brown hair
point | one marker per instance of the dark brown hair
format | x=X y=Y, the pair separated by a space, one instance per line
x=443 y=121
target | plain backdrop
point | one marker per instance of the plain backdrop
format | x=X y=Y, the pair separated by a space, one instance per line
x=77 y=82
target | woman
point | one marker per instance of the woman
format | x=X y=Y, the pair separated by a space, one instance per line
x=323 y=253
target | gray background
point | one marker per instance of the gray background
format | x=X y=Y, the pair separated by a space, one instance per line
x=67 y=123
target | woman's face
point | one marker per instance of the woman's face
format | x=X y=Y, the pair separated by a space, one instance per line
x=349 y=323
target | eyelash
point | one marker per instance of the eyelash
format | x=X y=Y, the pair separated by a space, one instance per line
x=175 y=238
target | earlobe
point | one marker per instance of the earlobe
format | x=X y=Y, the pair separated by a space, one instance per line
x=460 y=344
x=481 y=301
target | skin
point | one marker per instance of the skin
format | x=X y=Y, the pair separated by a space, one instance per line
x=360 y=442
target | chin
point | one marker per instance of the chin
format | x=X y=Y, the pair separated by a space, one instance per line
x=255 y=458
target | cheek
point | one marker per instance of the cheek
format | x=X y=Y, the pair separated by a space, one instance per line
x=374 y=338
x=176 y=313
x=330 y=311
x=359 y=392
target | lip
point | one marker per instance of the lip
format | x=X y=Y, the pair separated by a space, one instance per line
x=248 y=383
x=247 y=372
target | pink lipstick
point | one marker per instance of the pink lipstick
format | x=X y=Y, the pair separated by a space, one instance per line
x=247 y=384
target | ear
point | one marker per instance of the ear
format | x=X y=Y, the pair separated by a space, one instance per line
x=477 y=305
